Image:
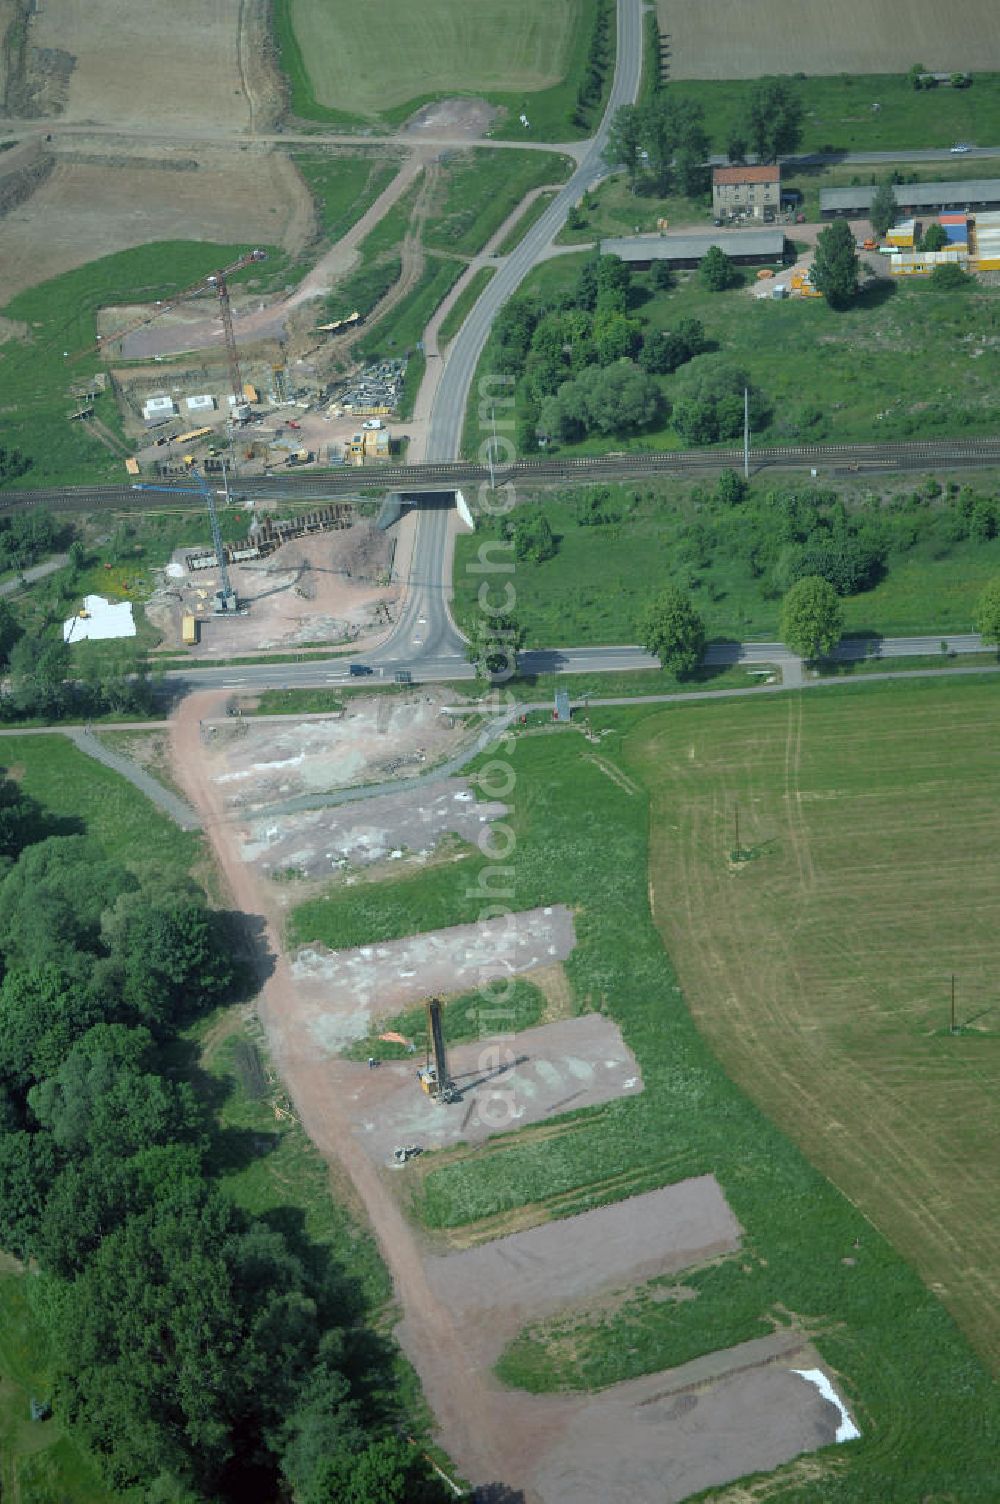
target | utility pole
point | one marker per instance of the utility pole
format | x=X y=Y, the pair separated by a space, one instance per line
x=737 y=850
x=746 y=433
x=953 y=1002
x=493 y=440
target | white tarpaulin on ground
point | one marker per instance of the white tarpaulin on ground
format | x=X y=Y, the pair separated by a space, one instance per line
x=847 y=1430
x=102 y=619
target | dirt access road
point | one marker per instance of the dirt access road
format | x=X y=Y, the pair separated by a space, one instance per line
x=746 y=1410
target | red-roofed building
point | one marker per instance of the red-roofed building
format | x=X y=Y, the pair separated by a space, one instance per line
x=755 y=191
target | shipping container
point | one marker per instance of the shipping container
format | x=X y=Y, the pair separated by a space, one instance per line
x=189 y=631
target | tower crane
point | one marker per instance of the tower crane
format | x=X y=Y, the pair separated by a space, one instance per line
x=225 y=596
x=217 y=282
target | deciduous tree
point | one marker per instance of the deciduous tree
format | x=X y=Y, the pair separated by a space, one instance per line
x=674 y=631
x=773 y=121
x=494 y=640
x=708 y=401
x=835 y=264
x=812 y=618
x=716 y=270
x=884 y=208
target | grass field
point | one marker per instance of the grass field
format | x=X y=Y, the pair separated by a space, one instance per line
x=343 y=187
x=86 y=797
x=820 y=973
x=523 y=224
x=839 y=115
x=463 y=304
x=924 y=1403
x=36 y=371
x=823 y=373
x=600 y=580
x=521 y=58
x=719 y=39
x=480 y=189
x=401 y=330
x=509 y=46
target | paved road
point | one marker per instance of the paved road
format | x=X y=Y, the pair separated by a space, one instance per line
x=440 y=656
x=91 y=745
x=875 y=158
x=448 y=412
x=36 y=572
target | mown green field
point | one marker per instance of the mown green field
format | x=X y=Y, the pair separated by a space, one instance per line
x=521 y=58
x=838 y=114
x=924 y=1403
x=84 y=797
x=601 y=578
x=902 y=362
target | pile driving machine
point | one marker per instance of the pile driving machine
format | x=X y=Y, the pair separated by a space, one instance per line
x=434 y=1078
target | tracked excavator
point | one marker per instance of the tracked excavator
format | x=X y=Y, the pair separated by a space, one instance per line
x=434 y=1078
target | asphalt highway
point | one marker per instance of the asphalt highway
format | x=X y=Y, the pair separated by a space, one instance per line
x=443 y=658
x=448 y=412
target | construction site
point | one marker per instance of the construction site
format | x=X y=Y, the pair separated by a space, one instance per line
x=320 y=578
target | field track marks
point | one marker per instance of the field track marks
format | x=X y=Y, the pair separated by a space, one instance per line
x=770 y=963
x=797 y=829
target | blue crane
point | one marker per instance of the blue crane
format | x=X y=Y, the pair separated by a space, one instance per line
x=225 y=596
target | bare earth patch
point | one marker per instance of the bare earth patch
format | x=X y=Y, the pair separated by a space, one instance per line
x=144 y=65
x=461 y=118
x=745 y=38
x=329 y=588
x=660 y=1439
x=511 y=1281
x=402 y=828
x=503 y=1083
x=93 y=204
x=342 y=991
x=255 y=763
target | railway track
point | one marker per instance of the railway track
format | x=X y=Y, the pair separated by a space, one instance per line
x=829 y=458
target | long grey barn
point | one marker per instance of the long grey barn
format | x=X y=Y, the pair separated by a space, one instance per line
x=747 y=247
x=914 y=198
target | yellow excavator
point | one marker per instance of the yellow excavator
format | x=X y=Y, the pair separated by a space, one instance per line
x=434 y=1078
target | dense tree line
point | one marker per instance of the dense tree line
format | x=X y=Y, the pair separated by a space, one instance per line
x=662 y=144
x=664 y=147
x=600 y=53
x=587 y=366
x=200 y=1352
